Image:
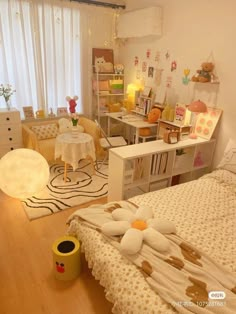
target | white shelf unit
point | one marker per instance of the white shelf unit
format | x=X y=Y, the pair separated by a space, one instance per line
x=103 y=95
x=144 y=105
x=149 y=166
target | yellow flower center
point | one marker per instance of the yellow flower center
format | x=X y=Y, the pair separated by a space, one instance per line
x=139 y=224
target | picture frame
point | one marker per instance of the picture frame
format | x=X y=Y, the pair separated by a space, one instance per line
x=62 y=111
x=103 y=60
x=207 y=122
x=147 y=91
x=28 y=112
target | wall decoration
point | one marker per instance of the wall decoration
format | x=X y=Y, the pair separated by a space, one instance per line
x=148 y=53
x=150 y=71
x=173 y=66
x=206 y=122
x=136 y=61
x=103 y=60
x=167 y=55
x=186 y=79
x=144 y=66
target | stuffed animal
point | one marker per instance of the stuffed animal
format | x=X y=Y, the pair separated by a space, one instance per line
x=154 y=115
x=138 y=227
x=119 y=68
x=102 y=66
x=204 y=75
x=72 y=103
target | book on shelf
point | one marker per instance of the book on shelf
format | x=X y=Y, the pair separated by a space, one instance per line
x=138 y=168
x=155 y=164
x=163 y=163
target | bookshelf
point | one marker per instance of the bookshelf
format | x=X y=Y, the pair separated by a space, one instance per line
x=139 y=168
x=108 y=88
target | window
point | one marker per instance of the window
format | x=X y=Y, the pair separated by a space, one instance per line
x=40 y=52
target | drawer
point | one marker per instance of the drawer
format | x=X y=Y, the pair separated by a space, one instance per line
x=6 y=130
x=11 y=138
x=9 y=117
x=7 y=148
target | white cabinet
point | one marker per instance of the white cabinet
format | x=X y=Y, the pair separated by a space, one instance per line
x=10 y=130
x=108 y=89
x=149 y=166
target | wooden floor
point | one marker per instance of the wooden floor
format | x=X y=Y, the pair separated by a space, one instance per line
x=27 y=283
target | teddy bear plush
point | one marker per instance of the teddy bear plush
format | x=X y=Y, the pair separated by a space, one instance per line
x=204 y=75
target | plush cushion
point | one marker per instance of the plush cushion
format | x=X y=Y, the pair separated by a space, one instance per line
x=46 y=131
x=228 y=162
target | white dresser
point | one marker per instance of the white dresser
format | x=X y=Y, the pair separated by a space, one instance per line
x=10 y=130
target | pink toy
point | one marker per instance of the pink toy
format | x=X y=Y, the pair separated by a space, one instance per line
x=72 y=103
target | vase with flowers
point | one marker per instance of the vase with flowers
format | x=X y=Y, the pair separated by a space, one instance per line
x=6 y=91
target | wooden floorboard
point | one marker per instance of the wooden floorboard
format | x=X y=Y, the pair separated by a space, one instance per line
x=27 y=281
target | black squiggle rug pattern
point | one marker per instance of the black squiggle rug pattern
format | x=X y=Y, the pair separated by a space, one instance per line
x=81 y=186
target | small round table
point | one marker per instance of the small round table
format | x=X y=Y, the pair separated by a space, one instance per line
x=72 y=148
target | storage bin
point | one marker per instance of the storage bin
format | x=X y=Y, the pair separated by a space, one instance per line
x=66 y=258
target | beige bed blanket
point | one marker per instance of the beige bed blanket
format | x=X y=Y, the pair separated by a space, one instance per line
x=204 y=213
x=184 y=277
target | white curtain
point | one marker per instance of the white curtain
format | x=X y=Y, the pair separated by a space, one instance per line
x=40 y=52
x=46 y=51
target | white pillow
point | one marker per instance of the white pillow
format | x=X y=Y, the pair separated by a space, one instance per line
x=45 y=131
x=228 y=162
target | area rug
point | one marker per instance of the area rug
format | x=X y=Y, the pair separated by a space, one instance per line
x=80 y=187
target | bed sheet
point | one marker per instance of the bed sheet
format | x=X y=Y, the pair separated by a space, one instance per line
x=204 y=212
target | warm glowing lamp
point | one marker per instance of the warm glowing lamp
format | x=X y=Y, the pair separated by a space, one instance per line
x=196 y=107
x=24 y=172
x=131 y=91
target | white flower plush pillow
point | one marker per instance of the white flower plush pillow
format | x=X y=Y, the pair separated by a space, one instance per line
x=228 y=162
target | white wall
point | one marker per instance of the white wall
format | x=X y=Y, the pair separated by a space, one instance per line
x=193 y=31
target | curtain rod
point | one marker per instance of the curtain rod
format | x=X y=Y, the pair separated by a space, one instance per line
x=103 y=4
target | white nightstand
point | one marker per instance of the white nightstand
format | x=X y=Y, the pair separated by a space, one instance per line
x=10 y=130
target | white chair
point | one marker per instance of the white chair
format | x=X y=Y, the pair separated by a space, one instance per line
x=108 y=142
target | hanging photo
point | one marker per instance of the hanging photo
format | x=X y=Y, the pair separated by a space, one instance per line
x=136 y=61
x=150 y=71
x=144 y=66
x=103 y=60
x=148 y=53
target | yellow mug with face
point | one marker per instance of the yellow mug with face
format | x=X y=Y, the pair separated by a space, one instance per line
x=40 y=114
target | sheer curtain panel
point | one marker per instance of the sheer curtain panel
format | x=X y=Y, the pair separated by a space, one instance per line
x=40 y=52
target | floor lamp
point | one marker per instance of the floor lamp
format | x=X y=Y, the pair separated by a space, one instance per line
x=196 y=107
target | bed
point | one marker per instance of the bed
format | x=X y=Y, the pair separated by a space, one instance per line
x=204 y=213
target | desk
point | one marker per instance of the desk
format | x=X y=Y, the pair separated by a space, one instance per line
x=132 y=120
x=72 y=149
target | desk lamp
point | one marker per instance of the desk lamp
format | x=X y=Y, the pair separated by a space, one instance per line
x=196 y=107
x=24 y=172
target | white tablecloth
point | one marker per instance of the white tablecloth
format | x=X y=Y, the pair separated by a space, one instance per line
x=72 y=148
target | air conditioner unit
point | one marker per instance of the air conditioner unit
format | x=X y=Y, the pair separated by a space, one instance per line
x=140 y=23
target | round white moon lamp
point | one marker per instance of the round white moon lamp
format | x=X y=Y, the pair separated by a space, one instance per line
x=24 y=172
